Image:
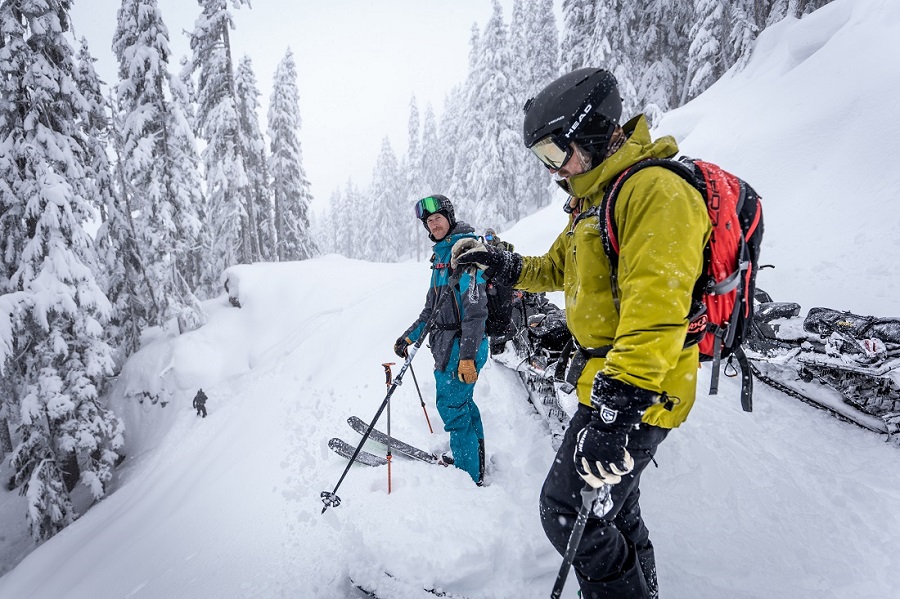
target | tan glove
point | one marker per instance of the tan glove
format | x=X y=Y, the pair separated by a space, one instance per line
x=467 y=372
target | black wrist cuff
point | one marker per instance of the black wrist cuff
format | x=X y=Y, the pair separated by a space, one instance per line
x=507 y=269
x=617 y=401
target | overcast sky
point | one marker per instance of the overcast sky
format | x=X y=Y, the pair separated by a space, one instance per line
x=359 y=62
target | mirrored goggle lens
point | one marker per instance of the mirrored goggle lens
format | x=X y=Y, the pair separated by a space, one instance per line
x=489 y=237
x=550 y=154
x=427 y=206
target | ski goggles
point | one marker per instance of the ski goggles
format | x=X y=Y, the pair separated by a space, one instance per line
x=427 y=206
x=550 y=153
x=488 y=237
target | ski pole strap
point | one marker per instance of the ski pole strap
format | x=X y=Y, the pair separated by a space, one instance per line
x=746 y=379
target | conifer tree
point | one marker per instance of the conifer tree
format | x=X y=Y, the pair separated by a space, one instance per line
x=465 y=132
x=328 y=231
x=351 y=215
x=541 y=66
x=433 y=167
x=55 y=309
x=742 y=31
x=452 y=126
x=578 y=30
x=114 y=237
x=493 y=107
x=705 y=61
x=254 y=148
x=290 y=187
x=230 y=211
x=416 y=187
x=160 y=186
x=385 y=241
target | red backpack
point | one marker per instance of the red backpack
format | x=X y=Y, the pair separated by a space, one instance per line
x=722 y=307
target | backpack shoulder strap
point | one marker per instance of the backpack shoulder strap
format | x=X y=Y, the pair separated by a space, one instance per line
x=609 y=229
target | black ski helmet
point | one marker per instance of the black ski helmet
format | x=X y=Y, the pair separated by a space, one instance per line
x=435 y=203
x=583 y=106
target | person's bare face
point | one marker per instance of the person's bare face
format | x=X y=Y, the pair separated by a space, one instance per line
x=438 y=225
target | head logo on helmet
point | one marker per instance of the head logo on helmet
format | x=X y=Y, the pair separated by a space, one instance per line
x=587 y=111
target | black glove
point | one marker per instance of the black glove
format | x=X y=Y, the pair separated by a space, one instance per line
x=600 y=454
x=400 y=346
x=499 y=266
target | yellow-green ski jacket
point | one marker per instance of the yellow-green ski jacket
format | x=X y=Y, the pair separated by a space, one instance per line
x=663 y=227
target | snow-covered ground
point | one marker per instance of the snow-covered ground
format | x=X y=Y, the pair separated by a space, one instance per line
x=785 y=502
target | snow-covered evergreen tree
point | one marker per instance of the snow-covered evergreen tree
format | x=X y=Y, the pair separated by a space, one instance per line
x=290 y=187
x=254 y=149
x=160 y=185
x=742 y=31
x=230 y=212
x=329 y=233
x=433 y=169
x=385 y=239
x=352 y=219
x=461 y=129
x=115 y=237
x=55 y=311
x=540 y=59
x=578 y=30
x=661 y=48
x=492 y=178
x=416 y=188
x=705 y=57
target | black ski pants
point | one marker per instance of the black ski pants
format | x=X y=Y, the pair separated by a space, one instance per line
x=615 y=557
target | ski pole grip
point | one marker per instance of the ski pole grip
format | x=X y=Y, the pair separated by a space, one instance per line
x=388 y=377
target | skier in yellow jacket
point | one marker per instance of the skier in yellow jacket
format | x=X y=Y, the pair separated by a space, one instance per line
x=637 y=381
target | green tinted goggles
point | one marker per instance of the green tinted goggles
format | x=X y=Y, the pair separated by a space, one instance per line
x=427 y=206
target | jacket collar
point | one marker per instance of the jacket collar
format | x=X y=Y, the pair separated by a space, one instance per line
x=639 y=146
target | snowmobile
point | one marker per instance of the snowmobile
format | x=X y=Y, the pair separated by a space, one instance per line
x=537 y=348
x=842 y=362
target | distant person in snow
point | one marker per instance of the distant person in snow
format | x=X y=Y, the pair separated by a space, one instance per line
x=491 y=238
x=500 y=328
x=200 y=403
x=458 y=341
x=636 y=380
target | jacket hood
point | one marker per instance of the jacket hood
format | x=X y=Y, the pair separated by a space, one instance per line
x=639 y=146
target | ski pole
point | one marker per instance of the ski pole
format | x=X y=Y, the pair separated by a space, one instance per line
x=330 y=498
x=387 y=381
x=421 y=401
x=588 y=496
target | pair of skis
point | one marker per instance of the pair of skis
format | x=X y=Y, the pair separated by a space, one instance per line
x=345 y=449
x=389 y=585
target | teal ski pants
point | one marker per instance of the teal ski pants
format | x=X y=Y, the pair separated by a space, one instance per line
x=459 y=412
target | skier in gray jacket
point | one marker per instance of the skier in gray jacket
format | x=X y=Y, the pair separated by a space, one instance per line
x=458 y=341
